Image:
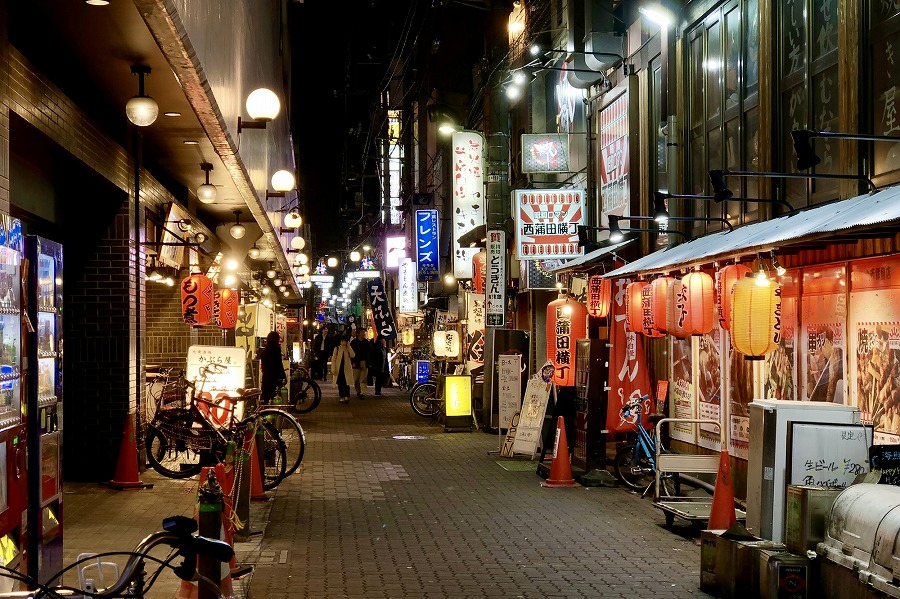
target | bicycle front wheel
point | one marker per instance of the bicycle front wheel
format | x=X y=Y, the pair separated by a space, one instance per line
x=272 y=451
x=305 y=395
x=291 y=434
x=635 y=472
x=423 y=399
x=175 y=448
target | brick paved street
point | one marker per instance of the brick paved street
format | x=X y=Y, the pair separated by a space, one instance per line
x=387 y=505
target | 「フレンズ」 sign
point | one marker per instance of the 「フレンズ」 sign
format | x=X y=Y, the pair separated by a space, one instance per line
x=427 y=261
x=547 y=223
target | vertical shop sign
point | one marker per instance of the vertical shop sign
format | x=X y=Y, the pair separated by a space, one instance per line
x=468 y=196
x=474 y=331
x=613 y=155
x=628 y=374
x=427 y=250
x=381 y=310
x=495 y=297
x=409 y=297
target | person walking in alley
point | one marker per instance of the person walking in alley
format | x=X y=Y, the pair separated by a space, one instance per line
x=272 y=369
x=342 y=369
x=332 y=340
x=378 y=363
x=361 y=348
x=319 y=354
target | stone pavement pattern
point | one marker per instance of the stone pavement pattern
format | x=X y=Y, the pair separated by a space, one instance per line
x=388 y=505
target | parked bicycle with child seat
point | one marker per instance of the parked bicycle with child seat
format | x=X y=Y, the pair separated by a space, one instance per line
x=177 y=534
x=181 y=440
x=635 y=464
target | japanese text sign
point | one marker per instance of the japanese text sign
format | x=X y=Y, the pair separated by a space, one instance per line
x=468 y=195
x=427 y=250
x=545 y=152
x=381 y=309
x=407 y=286
x=547 y=223
x=495 y=287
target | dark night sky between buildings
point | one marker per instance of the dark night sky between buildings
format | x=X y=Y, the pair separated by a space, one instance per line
x=338 y=47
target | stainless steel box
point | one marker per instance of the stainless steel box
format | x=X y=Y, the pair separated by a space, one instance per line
x=806 y=515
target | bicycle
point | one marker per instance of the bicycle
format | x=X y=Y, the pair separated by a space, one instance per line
x=289 y=429
x=180 y=441
x=178 y=533
x=635 y=464
x=404 y=373
x=305 y=393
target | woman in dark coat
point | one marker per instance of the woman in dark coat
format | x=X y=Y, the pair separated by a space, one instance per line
x=271 y=366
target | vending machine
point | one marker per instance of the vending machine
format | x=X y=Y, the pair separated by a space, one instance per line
x=44 y=259
x=13 y=467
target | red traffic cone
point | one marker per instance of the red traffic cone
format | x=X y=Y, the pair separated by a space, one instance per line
x=127 y=476
x=560 y=469
x=257 y=493
x=722 y=515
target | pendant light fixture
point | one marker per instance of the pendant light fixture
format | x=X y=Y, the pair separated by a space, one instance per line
x=253 y=252
x=141 y=110
x=237 y=229
x=206 y=193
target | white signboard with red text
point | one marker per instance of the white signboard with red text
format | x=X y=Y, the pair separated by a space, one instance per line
x=468 y=196
x=547 y=223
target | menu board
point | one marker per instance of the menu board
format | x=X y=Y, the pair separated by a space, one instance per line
x=509 y=376
x=828 y=455
x=531 y=418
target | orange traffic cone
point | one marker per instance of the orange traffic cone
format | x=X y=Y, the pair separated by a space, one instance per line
x=560 y=469
x=257 y=493
x=722 y=515
x=127 y=476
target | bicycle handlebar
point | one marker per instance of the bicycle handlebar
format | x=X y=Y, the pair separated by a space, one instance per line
x=178 y=535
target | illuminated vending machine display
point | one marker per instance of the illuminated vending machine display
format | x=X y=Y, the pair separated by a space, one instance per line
x=13 y=482
x=44 y=407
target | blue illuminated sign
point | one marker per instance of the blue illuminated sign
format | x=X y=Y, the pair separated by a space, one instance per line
x=427 y=261
x=423 y=371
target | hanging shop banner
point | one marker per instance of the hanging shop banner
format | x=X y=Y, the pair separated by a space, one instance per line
x=875 y=327
x=407 y=288
x=468 y=196
x=495 y=294
x=474 y=332
x=547 y=223
x=613 y=156
x=824 y=306
x=628 y=374
x=381 y=309
x=709 y=387
x=681 y=391
x=545 y=153
x=427 y=250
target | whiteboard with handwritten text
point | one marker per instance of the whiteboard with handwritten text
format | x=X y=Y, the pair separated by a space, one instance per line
x=828 y=455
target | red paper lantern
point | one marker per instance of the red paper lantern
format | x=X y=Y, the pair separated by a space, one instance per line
x=633 y=308
x=676 y=313
x=701 y=302
x=725 y=279
x=226 y=307
x=755 y=318
x=648 y=328
x=566 y=322
x=479 y=261
x=658 y=289
x=599 y=296
x=197 y=295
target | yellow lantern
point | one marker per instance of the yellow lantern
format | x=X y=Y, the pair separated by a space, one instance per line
x=755 y=318
x=439 y=343
x=370 y=334
x=408 y=337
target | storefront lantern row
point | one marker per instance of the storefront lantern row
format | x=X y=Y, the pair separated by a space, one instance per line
x=676 y=313
x=755 y=318
x=197 y=297
x=658 y=299
x=599 y=296
x=700 y=302
x=726 y=277
x=648 y=328
x=633 y=311
x=225 y=308
x=566 y=323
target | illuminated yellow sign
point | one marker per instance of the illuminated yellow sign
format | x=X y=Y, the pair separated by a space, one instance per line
x=458 y=395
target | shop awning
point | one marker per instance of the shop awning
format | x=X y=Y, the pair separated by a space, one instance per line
x=876 y=214
x=586 y=260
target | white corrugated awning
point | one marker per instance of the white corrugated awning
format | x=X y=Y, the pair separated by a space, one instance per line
x=881 y=208
x=590 y=257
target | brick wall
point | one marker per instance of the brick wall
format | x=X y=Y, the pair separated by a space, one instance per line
x=166 y=337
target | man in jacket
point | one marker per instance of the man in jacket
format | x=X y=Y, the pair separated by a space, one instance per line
x=360 y=346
